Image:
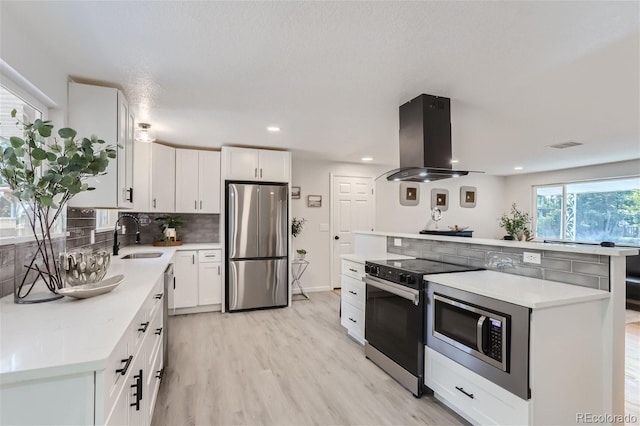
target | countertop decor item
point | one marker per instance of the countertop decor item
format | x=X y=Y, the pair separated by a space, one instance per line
x=301 y=253
x=84 y=291
x=436 y=215
x=84 y=268
x=44 y=175
x=168 y=226
x=516 y=223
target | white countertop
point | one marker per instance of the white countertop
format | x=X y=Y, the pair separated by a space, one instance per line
x=69 y=336
x=524 y=291
x=361 y=258
x=570 y=248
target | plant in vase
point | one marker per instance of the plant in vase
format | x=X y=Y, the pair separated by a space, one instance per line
x=301 y=253
x=43 y=177
x=296 y=229
x=168 y=227
x=516 y=224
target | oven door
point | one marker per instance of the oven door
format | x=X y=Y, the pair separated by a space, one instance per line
x=394 y=323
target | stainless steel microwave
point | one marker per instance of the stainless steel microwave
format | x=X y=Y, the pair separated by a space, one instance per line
x=488 y=336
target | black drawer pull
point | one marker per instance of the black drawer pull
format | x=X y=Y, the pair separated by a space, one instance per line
x=353 y=292
x=470 y=395
x=158 y=331
x=352 y=320
x=144 y=326
x=159 y=296
x=124 y=369
x=159 y=374
x=353 y=270
x=138 y=393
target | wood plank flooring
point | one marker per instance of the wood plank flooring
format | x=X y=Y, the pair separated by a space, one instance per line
x=632 y=364
x=291 y=366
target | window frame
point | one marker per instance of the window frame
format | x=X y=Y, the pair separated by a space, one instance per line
x=563 y=185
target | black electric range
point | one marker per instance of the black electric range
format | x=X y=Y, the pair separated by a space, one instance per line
x=409 y=272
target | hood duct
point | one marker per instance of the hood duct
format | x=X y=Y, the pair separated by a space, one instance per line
x=425 y=141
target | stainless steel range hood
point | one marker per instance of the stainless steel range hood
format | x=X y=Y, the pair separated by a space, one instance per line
x=425 y=141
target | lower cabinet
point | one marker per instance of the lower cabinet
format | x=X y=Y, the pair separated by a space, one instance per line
x=353 y=299
x=198 y=281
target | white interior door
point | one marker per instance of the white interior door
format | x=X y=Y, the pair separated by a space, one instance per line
x=352 y=203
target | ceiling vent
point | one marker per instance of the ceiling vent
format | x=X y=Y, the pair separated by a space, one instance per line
x=565 y=145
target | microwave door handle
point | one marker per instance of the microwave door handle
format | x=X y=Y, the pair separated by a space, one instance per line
x=480 y=333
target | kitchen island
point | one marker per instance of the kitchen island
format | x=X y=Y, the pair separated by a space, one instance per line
x=68 y=361
x=595 y=267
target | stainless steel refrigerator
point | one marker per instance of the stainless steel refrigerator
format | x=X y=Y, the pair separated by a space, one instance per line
x=256 y=246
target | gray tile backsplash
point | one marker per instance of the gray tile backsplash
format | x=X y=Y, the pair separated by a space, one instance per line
x=587 y=270
x=197 y=228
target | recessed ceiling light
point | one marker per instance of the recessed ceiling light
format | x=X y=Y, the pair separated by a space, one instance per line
x=273 y=129
x=455 y=175
x=455 y=161
x=426 y=180
x=518 y=168
x=367 y=159
x=423 y=173
x=396 y=180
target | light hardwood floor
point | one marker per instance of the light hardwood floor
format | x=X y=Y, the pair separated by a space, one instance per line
x=632 y=364
x=281 y=366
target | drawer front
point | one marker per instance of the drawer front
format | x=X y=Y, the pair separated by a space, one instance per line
x=352 y=269
x=205 y=256
x=153 y=382
x=118 y=363
x=155 y=302
x=353 y=292
x=478 y=399
x=352 y=319
x=154 y=340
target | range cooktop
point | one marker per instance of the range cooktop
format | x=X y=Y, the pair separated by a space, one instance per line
x=409 y=272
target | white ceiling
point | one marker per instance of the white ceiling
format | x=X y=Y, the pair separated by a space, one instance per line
x=521 y=75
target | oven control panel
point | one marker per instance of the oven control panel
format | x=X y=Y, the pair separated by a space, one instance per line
x=394 y=275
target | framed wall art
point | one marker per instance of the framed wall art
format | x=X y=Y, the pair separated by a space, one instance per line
x=295 y=192
x=468 y=196
x=314 y=200
x=440 y=199
x=409 y=194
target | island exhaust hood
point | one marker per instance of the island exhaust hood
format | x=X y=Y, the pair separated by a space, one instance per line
x=425 y=141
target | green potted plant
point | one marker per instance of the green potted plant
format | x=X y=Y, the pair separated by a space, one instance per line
x=168 y=227
x=296 y=229
x=516 y=224
x=301 y=253
x=43 y=176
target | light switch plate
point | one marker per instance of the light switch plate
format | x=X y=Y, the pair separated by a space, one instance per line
x=529 y=257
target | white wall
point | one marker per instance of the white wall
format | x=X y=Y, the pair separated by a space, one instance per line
x=313 y=177
x=518 y=188
x=29 y=58
x=482 y=219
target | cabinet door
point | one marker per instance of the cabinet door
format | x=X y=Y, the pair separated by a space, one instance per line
x=130 y=157
x=209 y=284
x=163 y=172
x=274 y=166
x=208 y=181
x=187 y=200
x=242 y=164
x=142 y=176
x=185 y=295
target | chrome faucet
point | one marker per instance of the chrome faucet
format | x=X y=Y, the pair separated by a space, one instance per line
x=116 y=244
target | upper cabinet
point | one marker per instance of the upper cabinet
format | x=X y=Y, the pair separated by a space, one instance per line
x=154 y=178
x=104 y=112
x=256 y=164
x=197 y=181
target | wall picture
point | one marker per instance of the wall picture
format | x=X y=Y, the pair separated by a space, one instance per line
x=295 y=192
x=314 y=200
x=468 y=196
x=440 y=199
x=409 y=194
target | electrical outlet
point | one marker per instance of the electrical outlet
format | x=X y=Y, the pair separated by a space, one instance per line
x=92 y=237
x=531 y=257
x=397 y=242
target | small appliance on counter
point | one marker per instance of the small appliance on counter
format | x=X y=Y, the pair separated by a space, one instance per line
x=395 y=321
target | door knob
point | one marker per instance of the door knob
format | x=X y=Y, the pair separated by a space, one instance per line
x=336 y=238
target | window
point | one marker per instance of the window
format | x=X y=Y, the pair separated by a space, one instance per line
x=594 y=211
x=14 y=220
x=106 y=219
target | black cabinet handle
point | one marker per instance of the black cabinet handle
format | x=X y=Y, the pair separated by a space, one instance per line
x=352 y=320
x=144 y=326
x=138 y=393
x=470 y=395
x=124 y=369
x=159 y=296
x=159 y=374
x=130 y=191
x=158 y=331
x=353 y=292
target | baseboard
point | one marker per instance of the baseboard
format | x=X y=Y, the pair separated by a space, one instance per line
x=312 y=289
x=195 y=310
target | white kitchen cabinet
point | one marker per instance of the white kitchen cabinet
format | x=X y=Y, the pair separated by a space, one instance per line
x=209 y=278
x=185 y=293
x=163 y=181
x=257 y=164
x=353 y=299
x=104 y=112
x=197 y=181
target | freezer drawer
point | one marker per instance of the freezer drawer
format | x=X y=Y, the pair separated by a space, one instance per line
x=257 y=284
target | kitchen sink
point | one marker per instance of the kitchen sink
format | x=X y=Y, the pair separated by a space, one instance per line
x=143 y=255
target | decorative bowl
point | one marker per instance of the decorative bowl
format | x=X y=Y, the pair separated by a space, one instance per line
x=84 y=268
x=458 y=228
